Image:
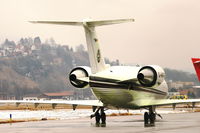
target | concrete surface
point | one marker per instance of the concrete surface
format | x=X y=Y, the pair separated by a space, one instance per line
x=171 y=123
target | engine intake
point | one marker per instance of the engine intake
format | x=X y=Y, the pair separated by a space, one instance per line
x=149 y=76
x=79 y=72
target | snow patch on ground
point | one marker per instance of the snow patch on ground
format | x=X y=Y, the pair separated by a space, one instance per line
x=68 y=113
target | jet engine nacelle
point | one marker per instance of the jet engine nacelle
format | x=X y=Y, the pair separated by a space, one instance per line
x=77 y=73
x=149 y=76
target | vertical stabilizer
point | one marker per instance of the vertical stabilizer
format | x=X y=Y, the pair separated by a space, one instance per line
x=196 y=63
x=96 y=59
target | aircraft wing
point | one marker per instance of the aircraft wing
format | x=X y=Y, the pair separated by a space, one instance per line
x=74 y=103
x=163 y=102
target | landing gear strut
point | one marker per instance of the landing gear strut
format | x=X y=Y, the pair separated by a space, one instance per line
x=150 y=117
x=99 y=116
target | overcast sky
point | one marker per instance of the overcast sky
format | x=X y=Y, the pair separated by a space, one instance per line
x=165 y=32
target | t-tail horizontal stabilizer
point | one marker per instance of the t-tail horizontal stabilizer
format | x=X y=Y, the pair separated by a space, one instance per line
x=85 y=22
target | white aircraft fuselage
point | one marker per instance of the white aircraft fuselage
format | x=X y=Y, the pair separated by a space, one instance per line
x=119 y=95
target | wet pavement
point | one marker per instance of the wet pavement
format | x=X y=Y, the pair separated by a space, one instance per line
x=171 y=123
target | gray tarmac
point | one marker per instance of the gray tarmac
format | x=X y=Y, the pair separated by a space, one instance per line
x=171 y=123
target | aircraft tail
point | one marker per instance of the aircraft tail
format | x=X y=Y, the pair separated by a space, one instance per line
x=196 y=63
x=96 y=59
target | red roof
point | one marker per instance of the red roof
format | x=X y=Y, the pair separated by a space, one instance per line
x=64 y=93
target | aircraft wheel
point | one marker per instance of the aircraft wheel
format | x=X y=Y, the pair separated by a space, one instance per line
x=97 y=117
x=152 y=118
x=146 y=118
x=103 y=118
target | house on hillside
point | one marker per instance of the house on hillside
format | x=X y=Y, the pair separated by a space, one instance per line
x=5 y=96
x=67 y=95
x=31 y=97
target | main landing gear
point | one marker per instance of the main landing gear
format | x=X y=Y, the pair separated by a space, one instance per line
x=99 y=117
x=150 y=117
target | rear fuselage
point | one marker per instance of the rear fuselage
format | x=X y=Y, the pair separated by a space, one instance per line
x=107 y=87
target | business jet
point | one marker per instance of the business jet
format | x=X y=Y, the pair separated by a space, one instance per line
x=121 y=87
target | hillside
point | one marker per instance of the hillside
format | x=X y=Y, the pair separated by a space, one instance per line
x=178 y=75
x=32 y=67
